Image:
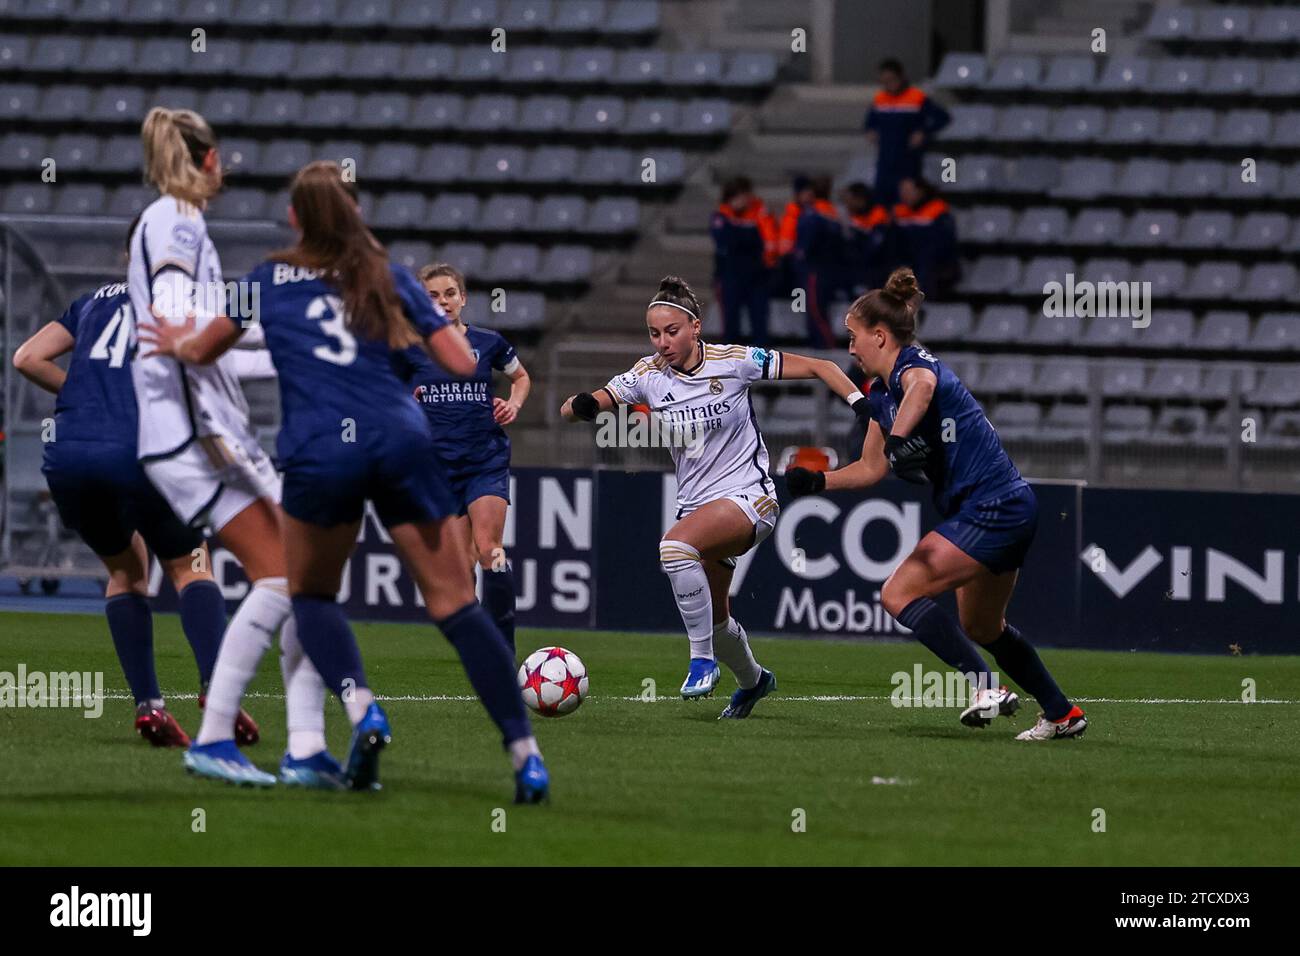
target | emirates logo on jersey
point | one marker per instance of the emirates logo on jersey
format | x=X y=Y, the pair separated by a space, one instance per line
x=715 y=386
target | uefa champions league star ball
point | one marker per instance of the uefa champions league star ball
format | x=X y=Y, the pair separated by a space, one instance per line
x=553 y=681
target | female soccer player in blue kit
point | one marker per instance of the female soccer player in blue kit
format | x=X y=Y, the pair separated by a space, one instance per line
x=469 y=437
x=989 y=511
x=334 y=312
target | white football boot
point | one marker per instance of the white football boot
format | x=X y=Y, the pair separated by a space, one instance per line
x=1072 y=724
x=990 y=703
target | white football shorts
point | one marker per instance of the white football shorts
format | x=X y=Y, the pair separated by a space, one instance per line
x=213 y=479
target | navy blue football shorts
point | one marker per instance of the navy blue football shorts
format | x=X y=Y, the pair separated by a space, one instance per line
x=473 y=480
x=104 y=495
x=996 y=532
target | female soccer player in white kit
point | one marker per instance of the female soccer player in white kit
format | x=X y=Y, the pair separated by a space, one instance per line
x=726 y=503
x=196 y=447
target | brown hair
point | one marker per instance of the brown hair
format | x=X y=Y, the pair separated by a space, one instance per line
x=894 y=306
x=175 y=144
x=336 y=241
x=675 y=290
x=435 y=269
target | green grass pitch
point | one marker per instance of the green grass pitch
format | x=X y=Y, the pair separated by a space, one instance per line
x=1206 y=781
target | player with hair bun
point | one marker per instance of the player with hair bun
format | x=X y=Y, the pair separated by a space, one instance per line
x=725 y=502
x=468 y=426
x=989 y=512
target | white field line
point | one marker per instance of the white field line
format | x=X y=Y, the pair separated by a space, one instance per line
x=815 y=698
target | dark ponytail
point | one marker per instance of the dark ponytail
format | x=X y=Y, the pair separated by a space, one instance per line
x=675 y=291
x=336 y=242
x=894 y=306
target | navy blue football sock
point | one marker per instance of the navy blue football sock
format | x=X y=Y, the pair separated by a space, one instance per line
x=490 y=668
x=935 y=628
x=1018 y=660
x=131 y=624
x=203 y=619
x=329 y=642
x=499 y=599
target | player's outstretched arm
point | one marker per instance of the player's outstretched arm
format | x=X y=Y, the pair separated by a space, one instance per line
x=802 y=366
x=868 y=470
x=35 y=357
x=585 y=406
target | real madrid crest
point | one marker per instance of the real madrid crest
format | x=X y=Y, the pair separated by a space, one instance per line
x=715 y=386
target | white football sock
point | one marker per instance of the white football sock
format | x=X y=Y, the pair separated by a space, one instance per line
x=248 y=635
x=690 y=585
x=732 y=647
x=304 y=695
x=357 y=702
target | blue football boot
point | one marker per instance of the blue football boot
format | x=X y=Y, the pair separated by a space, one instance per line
x=743 y=701
x=701 y=678
x=318 y=772
x=532 y=782
x=223 y=761
x=369 y=737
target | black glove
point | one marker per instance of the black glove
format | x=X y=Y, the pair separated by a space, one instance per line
x=585 y=406
x=907 y=457
x=803 y=481
x=862 y=408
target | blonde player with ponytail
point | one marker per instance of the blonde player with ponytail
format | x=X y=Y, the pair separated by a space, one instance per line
x=196 y=446
x=726 y=502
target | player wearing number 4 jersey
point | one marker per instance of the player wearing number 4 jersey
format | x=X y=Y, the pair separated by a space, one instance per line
x=990 y=514
x=699 y=394
x=335 y=312
x=103 y=495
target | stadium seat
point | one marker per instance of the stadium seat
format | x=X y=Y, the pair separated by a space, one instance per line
x=1168 y=277
x=80 y=200
x=750 y=69
x=1041 y=270
x=1007 y=324
x=1066 y=422
x=469 y=257
x=992 y=274
x=694 y=69
x=1078 y=124
x=1248 y=127
x=478 y=64
x=1196 y=178
x=331 y=109
x=54 y=54
x=239 y=204
x=578 y=16
x=970 y=121
x=1175 y=425
x=28 y=199
x=1110 y=332
x=945 y=322
x=179 y=97
x=1023 y=124
x=1124 y=423
x=1269 y=180
x=498 y=164
x=523 y=310
x=1205 y=230
x=1221 y=379
x=374 y=61
x=1007 y=375
x=987 y=224
x=427 y=62
x=472 y=14
x=412 y=255
x=653 y=116
x=1032 y=174
x=445 y=163
x=1106 y=270
x=1278 y=385
x=1171 y=23
x=1016 y=420
x=961 y=71
x=977 y=173
x=1186 y=127
x=222 y=107
x=1261 y=230
x=1277 y=332
x=284 y=157
x=567 y=264
x=1130 y=125
x=967 y=367
x=632 y=17
x=17 y=100
x=549 y=164
x=1142 y=178
x=1097 y=226
x=597 y=115
x=1213 y=280
x=22 y=151
x=1085 y=179
x=1015 y=73
x=1042 y=225
x=163 y=56
x=605 y=166
x=1061 y=376
x=560 y=214
x=1233 y=78
x=1222 y=24
x=269 y=59
x=1069 y=74
x=277 y=109
x=513 y=262
x=1124 y=75
x=75 y=151
x=1150 y=228
x=527 y=14
x=101 y=11
x=1275 y=25
x=613 y=215
x=544 y=114
x=383 y=111
x=453 y=211
x=1223 y=331
x=1055 y=330
x=588 y=65
x=108 y=55
x=1286 y=129
x=1269 y=282
x=365 y=14
x=121 y=154
x=148 y=11
x=507 y=214
x=705 y=118
x=65 y=102
x=399 y=210
x=534 y=64
x=490 y=113
x=1181 y=76
x=224 y=56
x=126 y=201
x=638 y=67
x=1123 y=378
x=1169 y=329
x=1280 y=78
x=437 y=111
